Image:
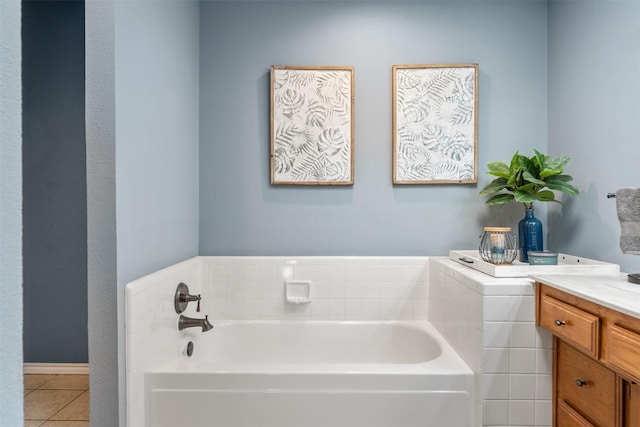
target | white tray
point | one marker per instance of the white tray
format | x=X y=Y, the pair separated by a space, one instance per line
x=567 y=264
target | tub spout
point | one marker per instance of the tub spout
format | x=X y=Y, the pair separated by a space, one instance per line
x=188 y=322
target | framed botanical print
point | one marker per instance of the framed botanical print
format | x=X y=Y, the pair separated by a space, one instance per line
x=312 y=130
x=435 y=124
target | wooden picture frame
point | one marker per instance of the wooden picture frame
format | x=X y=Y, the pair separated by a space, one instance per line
x=312 y=125
x=435 y=124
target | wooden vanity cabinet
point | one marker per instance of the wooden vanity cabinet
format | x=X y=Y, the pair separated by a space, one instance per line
x=596 y=361
x=585 y=385
x=566 y=416
x=631 y=401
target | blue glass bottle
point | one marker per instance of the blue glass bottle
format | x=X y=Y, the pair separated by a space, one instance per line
x=530 y=235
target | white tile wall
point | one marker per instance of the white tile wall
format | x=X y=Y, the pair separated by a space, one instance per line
x=151 y=326
x=491 y=323
x=455 y=309
x=342 y=288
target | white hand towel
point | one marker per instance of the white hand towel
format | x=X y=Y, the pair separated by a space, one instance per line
x=628 y=207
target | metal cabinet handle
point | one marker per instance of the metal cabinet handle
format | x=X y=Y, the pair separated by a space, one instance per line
x=559 y=322
x=581 y=383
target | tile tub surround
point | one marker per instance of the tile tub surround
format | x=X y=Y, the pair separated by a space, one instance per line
x=491 y=324
x=252 y=288
x=342 y=288
x=151 y=325
x=489 y=321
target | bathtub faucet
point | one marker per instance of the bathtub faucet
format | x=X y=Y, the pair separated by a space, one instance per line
x=188 y=322
x=182 y=298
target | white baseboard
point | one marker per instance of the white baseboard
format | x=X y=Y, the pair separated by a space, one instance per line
x=56 y=368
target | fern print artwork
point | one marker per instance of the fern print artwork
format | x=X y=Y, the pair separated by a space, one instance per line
x=312 y=125
x=435 y=124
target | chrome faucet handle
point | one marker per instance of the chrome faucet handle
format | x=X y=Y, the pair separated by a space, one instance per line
x=182 y=298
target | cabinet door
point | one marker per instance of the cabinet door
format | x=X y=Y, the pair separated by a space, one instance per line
x=622 y=350
x=586 y=386
x=631 y=404
x=568 y=417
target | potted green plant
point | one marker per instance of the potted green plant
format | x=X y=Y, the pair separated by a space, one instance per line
x=527 y=180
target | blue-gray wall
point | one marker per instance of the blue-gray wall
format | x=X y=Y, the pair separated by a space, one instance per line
x=101 y=214
x=54 y=183
x=156 y=78
x=11 y=404
x=156 y=134
x=594 y=116
x=142 y=155
x=241 y=214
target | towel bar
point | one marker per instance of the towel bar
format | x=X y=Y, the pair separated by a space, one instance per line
x=611 y=195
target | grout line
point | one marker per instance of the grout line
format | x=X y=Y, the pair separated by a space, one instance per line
x=61 y=409
x=41 y=385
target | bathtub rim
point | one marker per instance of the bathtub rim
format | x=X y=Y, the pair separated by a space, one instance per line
x=447 y=363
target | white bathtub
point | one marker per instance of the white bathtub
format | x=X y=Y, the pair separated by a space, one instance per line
x=313 y=374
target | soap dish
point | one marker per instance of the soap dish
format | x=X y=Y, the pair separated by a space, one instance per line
x=298 y=291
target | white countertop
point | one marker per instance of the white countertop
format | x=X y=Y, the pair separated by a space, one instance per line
x=611 y=291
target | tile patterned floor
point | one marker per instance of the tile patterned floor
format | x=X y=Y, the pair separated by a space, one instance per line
x=56 y=401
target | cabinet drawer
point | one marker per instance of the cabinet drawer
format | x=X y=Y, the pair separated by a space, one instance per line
x=622 y=350
x=586 y=386
x=571 y=324
x=566 y=416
